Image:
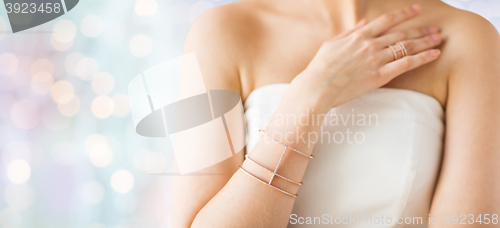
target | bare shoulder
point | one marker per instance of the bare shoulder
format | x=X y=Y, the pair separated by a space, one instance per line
x=471 y=44
x=227 y=27
x=220 y=38
x=469 y=36
x=225 y=22
x=472 y=53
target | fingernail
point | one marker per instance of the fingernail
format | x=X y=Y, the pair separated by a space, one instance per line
x=416 y=8
x=432 y=29
x=435 y=52
x=436 y=37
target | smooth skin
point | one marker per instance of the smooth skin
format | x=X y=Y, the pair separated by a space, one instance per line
x=252 y=43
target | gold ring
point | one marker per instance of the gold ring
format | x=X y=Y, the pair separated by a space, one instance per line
x=405 y=53
x=401 y=47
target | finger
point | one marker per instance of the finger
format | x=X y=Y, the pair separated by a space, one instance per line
x=360 y=24
x=389 y=20
x=400 y=66
x=413 y=46
x=395 y=37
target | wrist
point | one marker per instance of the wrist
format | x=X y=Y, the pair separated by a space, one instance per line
x=308 y=93
x=299 y=111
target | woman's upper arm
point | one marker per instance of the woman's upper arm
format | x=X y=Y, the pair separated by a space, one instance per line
x=469 y=182
x=214 y=45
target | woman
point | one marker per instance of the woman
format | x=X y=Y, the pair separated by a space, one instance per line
x=302 y=58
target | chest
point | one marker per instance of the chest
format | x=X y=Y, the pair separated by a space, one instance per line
x=283 y=50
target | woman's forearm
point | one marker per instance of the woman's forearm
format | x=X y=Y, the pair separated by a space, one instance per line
x=244 y=201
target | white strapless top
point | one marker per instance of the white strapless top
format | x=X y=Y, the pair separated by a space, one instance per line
x=380 y=155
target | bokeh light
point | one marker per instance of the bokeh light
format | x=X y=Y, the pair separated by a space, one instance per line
x=30 y=152
x=18 y=171
x=71 y=62
x=42 y=65
x=99 y=150
x=70 y=106
x=121 y=105
x=92 y=26
x=101 y=155
x=140 y=45
x=41 y=82
x=60 y=89
x=93 y=140
x=102 y=107
x=8 y=64
x=103 y=83
x=60 y=46
x=54 y=120
x=64 y=31
x=146 y=7
x=122 y=181
x=25 y=113
x=86 y=68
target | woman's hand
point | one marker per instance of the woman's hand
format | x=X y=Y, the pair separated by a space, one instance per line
x=353 y=63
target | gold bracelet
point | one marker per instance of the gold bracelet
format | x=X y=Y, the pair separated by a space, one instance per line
x=286 y=146
x=289 y=180
x=276 y=169
x=261 y=181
